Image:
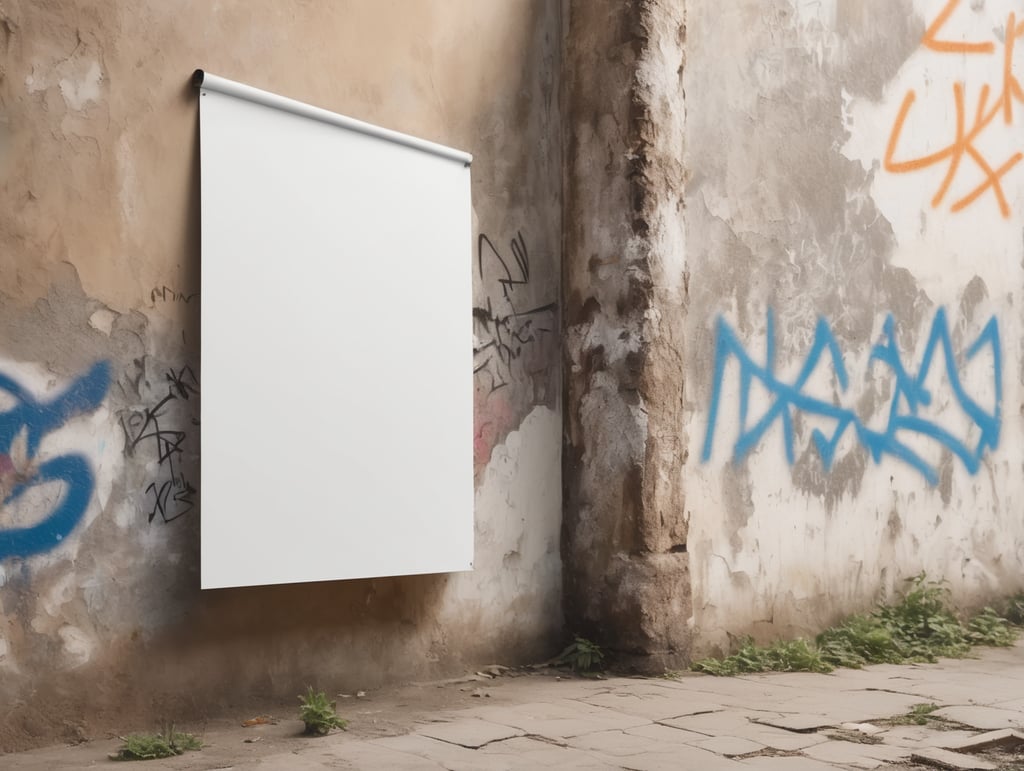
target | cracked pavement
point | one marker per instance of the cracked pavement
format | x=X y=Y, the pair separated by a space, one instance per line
x=794 y=721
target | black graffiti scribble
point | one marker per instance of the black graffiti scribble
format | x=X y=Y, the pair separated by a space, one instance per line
x=504 y=334
x=166 y=294
x=154 y=428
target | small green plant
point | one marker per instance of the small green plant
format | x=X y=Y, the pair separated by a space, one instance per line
x=163 y=744
x=921 y=627
x=781 y=656
x=989 y=628
x=318 y=714
x=919 y=714
x=922 y=624
x=582 y=655
x=1014 y=609
x=858 y=641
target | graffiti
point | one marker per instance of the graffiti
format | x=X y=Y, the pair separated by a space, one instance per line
x=22 y=430
x=166 y=294
x=909 y=396
x=505 y=334
x=972 y=126
x=171 y=495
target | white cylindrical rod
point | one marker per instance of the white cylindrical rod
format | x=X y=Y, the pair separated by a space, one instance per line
x=206 y=81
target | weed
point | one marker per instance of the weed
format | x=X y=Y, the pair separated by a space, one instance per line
x=163 y=744
x=1014 y=609
x=921 y=627
x=318 y=714
x=582 y=655
x=858 y=641
x=780 y=656
x=989 y=628
x=919 y=714
x=922 y=624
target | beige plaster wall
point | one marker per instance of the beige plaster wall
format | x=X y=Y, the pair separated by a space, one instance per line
x=99 y=289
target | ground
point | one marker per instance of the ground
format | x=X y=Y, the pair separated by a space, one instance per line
x=850 y=719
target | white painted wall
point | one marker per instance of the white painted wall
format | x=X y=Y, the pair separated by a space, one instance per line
x=780 y=548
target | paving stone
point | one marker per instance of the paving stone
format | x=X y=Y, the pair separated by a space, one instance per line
x=534 y=753
x=983 y=687
x=664 y=734
x=797 y=722
x=887 y=752
x=649 y=686
x=291 y=760
x=857 y=706
x=738 y=686
x=726 y=723
x=1016 y=705
x=741 y=693
x=520 y=744
x=729 y=746
x=804 y=681
x=856 y=754
x=559 y=719
x=986 y=718
x=868 y=729
x=934 y=756
x=658 y=706
x=954 y=693
x=470 y=732
x=1005 y=737
x=620 y=743
x=780 y=739
x=365 y=755
x=526 y=752
x=449 y=756
x=922 y=736
x=791 y=763
x=681 y=758
x=891 y=680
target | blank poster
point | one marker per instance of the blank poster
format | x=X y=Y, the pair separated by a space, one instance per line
x=336 y=346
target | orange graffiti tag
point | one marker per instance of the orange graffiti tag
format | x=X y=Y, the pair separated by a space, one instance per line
x=947 y=47
x=968 y=128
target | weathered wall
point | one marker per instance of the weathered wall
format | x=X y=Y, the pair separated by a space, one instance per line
x=793 y=274
x=102 y=622
x=625 y=538
x=853 y=364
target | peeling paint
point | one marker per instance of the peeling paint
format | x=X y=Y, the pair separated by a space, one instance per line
x=801 y=217
x=99 y=262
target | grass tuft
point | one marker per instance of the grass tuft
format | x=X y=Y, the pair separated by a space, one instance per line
x=921 y=627
x=919 y=714
x=780 y=656
x=164 y=744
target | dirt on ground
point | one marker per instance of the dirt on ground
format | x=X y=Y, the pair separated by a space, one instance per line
x=273 y=727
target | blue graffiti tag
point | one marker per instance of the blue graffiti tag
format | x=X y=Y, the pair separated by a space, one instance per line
x=22 y=429
x=908 y=397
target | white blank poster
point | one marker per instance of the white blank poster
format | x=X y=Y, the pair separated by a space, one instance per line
x=336 y=346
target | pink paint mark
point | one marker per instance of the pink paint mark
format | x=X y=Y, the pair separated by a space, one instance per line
x=493 y=418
